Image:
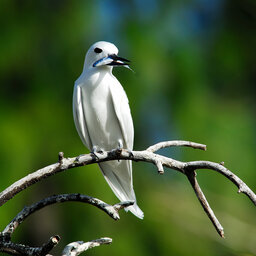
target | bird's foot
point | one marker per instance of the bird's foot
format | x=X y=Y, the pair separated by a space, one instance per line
x=120 y=145
x=130 y=153
x=95 y=151
x=119 y=148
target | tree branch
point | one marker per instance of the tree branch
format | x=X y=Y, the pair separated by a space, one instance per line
x=7 y=246
x=21 y=249
x=242 y=187
x=148 y=155
x=112 y=211
x=202 y=199
x=76 y=248
x=116 y=154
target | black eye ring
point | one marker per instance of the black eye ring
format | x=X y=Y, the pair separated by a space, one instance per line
x=97 y=50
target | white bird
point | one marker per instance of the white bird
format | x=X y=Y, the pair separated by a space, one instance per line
x=103 y=118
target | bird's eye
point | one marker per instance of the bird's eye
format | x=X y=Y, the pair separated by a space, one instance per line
x=97 y=50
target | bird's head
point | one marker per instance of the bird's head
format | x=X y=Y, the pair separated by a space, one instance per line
x=104 y=54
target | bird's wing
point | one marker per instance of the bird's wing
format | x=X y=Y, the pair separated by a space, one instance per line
x=79 y=116
x=123 y=113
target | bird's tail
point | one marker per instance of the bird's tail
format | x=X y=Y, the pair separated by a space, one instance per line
x=118 y=174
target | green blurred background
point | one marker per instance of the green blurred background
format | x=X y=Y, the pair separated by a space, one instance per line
x=194 y=80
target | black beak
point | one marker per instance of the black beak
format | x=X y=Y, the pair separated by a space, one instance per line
x=117 y=61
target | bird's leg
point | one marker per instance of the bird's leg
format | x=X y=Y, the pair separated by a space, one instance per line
x=120 y=145
x=94 y=152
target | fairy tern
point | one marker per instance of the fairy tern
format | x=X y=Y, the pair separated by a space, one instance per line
x=103 y=118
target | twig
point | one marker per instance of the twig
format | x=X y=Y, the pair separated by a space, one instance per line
x=202 y=199
x=159 y=166
x=75 y=248
x=172 y=143
x=61 y=156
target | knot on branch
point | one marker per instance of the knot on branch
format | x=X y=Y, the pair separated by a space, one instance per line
x=159 y=166
x=48 y=246
x=61 y=157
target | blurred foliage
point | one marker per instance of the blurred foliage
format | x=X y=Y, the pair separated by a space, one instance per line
x=194 y=79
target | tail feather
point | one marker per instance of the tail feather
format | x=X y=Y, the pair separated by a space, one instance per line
x=118 y=174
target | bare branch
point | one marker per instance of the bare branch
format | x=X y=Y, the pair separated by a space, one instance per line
x=175 y=143
x=202 y=199
x=76 y=248
x=187 y=168
x=112 y=211
x=21 y=249
x=68 y=163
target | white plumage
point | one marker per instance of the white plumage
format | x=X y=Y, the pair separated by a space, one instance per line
x=103 y=118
